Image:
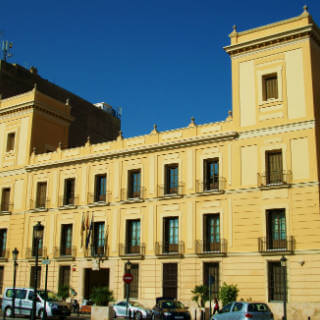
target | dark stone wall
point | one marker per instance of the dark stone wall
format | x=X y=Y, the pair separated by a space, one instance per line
x=88 y=119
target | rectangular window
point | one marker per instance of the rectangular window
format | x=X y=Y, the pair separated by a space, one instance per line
x=3 y=242
x=134 y=184
x=33 y=274
x=69 y=191
x=98 y=239
x=275 y=281
x=211 y=229
x=211 y=174
x=64 y=276
x=134 y=285
x=270 y=86
x=5 y=199
x=100 y=188
x=211 y=269
x=274 y=174
x=34 y=245
x=133 y=236
x=171 y=179
x=10 y=141
x=276 y=229
x=170 y=280
x=41 y=195
x=66 y=240
x=1 y=278
x=171 y=234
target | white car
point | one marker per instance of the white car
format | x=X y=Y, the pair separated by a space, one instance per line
x=134 y=309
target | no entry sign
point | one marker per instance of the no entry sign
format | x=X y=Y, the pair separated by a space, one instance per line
x=127 y=277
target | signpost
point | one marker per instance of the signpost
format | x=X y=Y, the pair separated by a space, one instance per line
x=46 y=262
x=127 y=278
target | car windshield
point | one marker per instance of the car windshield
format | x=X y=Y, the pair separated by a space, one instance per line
x=50 y=295
x=137 y=304
x=171 y=304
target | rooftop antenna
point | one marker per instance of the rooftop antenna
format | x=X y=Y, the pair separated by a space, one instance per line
x=5 y=47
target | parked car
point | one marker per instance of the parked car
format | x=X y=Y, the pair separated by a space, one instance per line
x=170 y=309
x=135 y=310
x=244 y=311
x=24 y=301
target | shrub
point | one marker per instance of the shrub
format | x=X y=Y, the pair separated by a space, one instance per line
x=200 y=295
x=228 y=293
x=101 y=296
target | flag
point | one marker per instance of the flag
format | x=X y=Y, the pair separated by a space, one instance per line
x=83 y=227
x=89 y=233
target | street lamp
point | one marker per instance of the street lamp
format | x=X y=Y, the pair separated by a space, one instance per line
x=15 y=253
x=128 y=266
x=38 y=234
x=283 y=262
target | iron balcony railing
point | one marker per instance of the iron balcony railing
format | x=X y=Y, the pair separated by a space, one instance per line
x=169 y=249
x=167 y=190
x=205 y=247
x=278 y=246
x=96 y=252
x=39 y=205
x=61 y=252
x=127 y=194
x=96 y=198
x=4 y=254
x=129 y=250
x=6 y=207
x=31 y=252
x=68 y=201
x=274 y=178
x=218 y=185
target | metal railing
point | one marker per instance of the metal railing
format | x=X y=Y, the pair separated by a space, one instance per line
x=127 y=194
x=94 y=198
x=167 y=191
x=128 y=250
x=205 y=247
x=34 y=204
x=275 y=178
x=6 y=207
x=279 y=246
x=60 y=252
x=4 y=254
x=31 y=252
x=97 y=252
x=167 y=249
x=218 y=185
x=71 y=201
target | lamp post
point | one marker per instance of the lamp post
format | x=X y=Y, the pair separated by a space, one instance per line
x=38 y=234
x=128 y=266
x=283 y=261
x=15 y=253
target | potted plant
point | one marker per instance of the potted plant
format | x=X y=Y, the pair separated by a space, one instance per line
x=201 y=296
x=100 y=296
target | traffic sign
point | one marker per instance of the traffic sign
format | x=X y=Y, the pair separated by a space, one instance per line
x=127 y=277
x=46 y=261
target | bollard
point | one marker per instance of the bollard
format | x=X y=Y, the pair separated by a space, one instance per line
x=195 y=314
x=309 y=318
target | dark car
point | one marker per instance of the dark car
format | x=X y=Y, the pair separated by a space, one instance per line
x=169 y=309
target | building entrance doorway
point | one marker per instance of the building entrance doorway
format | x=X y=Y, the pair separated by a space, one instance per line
x=99 y=278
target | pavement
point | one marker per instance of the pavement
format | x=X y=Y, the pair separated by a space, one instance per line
x=73 y=316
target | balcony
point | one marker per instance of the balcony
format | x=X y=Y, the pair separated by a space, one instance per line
x=95 y=200
x=131 y=197
x=276 y=247
x=97 y=252
x=4 y=255
x=6 y=208
x=39 y=205
x=68 y=203
x=207 y=249
x=166 y=192
x=274 y=180
x=169 y=250
x=215 y=187
x=31 y=253
x=131 y=252
x=64 y=254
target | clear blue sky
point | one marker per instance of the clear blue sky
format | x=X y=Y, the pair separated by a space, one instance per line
x=161 y=60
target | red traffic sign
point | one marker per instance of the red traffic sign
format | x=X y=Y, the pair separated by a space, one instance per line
x=127 y=277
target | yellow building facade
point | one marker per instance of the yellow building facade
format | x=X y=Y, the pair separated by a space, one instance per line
x=227 y=199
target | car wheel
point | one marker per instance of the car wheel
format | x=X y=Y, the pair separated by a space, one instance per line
x=137 y=316
x=8 y=312
x=113 y=314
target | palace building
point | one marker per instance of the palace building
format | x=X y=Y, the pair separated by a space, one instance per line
x=227 y=199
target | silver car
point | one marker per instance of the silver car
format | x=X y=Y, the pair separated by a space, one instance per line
x=244 y=311
x=135 y=310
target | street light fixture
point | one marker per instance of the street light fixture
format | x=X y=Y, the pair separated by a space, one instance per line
x=283 y=262
x=38 y=235
x=15 y=253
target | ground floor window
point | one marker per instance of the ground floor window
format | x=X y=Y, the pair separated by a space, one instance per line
x=211 y=270
x=33 y=271
x=276 y=281
x=170 y=280
x=64 y=276
x=1 y=278
x=134 y=285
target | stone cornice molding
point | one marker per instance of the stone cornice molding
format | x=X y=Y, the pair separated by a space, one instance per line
x=231 y=135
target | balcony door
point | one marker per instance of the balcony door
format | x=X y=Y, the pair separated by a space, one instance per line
x=276 y=229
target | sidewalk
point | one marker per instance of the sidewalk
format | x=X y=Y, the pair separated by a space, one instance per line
x=73 y=316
